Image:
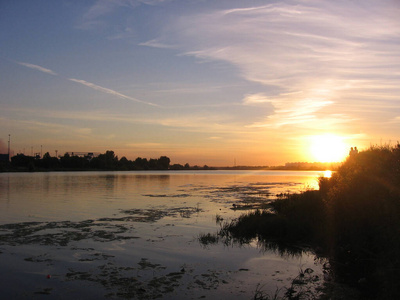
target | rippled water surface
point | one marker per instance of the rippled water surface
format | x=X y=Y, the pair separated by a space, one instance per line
x=135 y=234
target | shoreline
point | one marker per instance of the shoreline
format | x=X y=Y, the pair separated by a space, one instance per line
x=170 y=170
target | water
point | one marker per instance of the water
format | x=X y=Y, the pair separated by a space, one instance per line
x=135 y=234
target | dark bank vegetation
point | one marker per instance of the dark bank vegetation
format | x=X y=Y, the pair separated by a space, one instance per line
x=107 y=161
x=353 y=220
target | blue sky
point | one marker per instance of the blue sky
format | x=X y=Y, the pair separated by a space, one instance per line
x=204 y=82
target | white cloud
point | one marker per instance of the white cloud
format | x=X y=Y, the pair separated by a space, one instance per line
x=86 y=83
x=49 y=127
x=84 y=131
x=145 y=145
x=93 y=18
x=395 y=120
x=38 y=68
x=195 y=122
x=256 y=99
x=319 y=54
x=157 y=44
x=109 y=91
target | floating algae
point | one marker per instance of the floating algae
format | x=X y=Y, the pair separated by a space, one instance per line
x=103 y=229
x=143 y=280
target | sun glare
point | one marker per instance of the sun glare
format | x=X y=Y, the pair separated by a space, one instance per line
x=328 y=148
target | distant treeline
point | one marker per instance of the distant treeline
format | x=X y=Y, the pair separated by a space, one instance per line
x=110 y=162
x=106 y=161
x=296 y=166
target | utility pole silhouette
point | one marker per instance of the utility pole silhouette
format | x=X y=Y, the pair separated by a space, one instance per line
x=9 y=144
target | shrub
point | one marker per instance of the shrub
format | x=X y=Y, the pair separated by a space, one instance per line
x=354 y=219
x=363 y=204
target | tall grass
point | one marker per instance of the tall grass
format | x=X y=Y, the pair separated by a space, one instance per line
x=363 y=205
x=354 y=220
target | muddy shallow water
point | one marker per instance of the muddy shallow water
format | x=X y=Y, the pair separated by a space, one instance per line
x=136 y=235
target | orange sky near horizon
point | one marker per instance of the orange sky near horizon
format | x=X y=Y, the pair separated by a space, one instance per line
x=258 y=83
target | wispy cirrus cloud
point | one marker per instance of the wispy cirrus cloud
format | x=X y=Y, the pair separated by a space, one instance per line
x=86 y=83
x=319 y=55
x=93 y=18
x=38 y=68
x=145 y=145
x=158 y=44
x=48 y=126
x=196 y=122
x=109 y=91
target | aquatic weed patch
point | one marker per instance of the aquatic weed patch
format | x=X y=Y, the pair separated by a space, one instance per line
x=103 y=229
x=206 y=239
x=305 y=286
x=59 y=247
x=244 y=197
x=168 y=195
x=60 y=233
x=147 y=280
x=289 y=223
x=153 y=214
x=43 y=258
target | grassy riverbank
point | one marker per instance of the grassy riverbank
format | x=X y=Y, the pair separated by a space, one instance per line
x=353 y=220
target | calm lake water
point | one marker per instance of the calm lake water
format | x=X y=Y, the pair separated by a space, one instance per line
x=135 y=235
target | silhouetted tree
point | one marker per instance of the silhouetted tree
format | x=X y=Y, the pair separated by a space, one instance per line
x=48 y=162
x=21 y=160
x=176 y=167
x=125 y=164
x=163 y=163
x=74 y=162
x=153 y=164
x=107 y=161
x=141 y=164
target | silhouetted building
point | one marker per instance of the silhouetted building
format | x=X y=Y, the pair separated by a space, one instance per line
x=88 y=155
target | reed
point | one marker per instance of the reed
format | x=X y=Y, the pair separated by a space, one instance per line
x=353 y=220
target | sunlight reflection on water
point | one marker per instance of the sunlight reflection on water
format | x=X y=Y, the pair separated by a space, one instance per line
x=144 y=225
x=81 y=195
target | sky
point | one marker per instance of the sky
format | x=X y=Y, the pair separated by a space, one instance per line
x=200 y=81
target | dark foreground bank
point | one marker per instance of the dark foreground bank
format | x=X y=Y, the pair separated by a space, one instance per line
x=353 y=221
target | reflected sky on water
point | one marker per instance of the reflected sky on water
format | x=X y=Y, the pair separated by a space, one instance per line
x=89 y=226
x=80 y=195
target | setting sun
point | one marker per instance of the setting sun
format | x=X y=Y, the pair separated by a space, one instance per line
x=328 y=148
